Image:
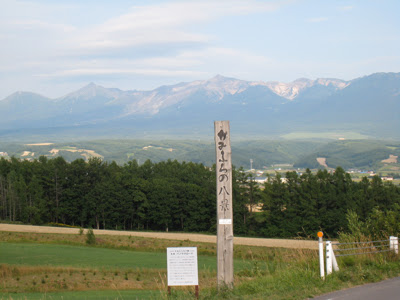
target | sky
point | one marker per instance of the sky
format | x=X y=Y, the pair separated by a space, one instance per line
x=56 y=47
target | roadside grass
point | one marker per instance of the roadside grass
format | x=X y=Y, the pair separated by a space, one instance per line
x=260 y=273
x=29 y=254
x=301 y=280
x=87 y=295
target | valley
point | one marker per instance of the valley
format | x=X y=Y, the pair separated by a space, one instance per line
x=356 y=156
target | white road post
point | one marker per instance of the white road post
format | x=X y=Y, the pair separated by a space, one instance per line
x=328 y=257
x=321 y=254
x=334 y=262
x=394 y=244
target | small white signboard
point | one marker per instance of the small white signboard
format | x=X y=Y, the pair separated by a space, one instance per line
x=182 y=266
x=225 y=221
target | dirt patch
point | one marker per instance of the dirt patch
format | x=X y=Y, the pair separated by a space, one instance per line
x=27 y=153
x=278 y=243
x=158 y=148
x=391 y=160
x=84 y=152
x=54 y=151
x=322 y=161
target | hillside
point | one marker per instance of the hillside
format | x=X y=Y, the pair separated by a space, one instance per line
x=360 y=154
x=264 y=153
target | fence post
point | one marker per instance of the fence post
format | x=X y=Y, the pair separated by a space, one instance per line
x=321 y=254
x=394 y=244
x=328 y=257
x=334 y=262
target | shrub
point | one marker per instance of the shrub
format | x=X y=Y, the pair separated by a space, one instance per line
x=379 y=225
x=90 y=237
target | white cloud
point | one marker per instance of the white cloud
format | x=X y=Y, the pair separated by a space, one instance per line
x=163 y=23
x=123 y=71
x=46 y=44
x=32 y=24
x=187 y=65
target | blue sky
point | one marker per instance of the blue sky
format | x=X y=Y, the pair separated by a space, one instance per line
x=56 y=47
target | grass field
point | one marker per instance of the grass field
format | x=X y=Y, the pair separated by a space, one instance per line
x=31 y=254
x=86 y=295
x=36 y=263
x=57 y=266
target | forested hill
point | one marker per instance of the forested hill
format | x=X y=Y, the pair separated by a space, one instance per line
x=178 y=196
x=362 y=154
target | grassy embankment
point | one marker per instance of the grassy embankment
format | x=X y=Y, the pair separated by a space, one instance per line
x=55 y=266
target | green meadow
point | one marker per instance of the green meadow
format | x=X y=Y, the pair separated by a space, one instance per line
x=86 y=295
x=91 y=257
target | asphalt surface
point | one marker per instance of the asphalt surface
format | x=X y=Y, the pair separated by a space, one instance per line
x=385 y=290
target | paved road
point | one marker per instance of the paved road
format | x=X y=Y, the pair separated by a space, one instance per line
x=385 y=290
x=279 y=243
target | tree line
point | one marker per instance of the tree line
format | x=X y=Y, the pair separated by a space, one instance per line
x=310 y=202
x=181 y=196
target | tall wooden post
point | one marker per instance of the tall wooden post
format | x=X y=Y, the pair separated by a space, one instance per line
x=224 y=204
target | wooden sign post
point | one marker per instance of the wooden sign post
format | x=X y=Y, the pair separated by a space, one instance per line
x=224 y=204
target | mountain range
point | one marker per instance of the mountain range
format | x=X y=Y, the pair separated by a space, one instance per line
x=368 y=106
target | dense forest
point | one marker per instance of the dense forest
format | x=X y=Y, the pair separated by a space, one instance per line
x=180 y=196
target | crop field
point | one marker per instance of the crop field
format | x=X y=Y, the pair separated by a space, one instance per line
x=80 y=256
x=50 y=268
x=62 y=266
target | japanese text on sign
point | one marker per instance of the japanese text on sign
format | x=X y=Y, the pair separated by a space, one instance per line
x=223 y=171
x=182 y=266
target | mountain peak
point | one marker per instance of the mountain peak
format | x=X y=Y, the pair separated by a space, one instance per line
x=221 y=85
x=219 y=78
x=91 y=86
x=90 y=91
x=302 y=80
x=24 y=98
x=23 y=94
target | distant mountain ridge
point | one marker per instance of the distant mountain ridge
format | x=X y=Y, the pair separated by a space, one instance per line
x=368 y=105
x=293 y=89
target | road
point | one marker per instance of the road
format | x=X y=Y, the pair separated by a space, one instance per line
x=385 y=290
x=278 y=243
